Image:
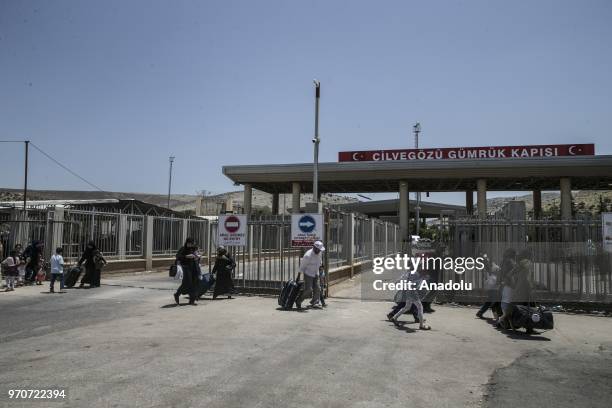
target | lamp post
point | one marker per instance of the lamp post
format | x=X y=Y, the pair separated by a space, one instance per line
x=417 y=211
x=316 y=141
x=171 y=159
x=25 y=179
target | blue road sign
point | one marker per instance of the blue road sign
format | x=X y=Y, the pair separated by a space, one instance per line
x=307 y=224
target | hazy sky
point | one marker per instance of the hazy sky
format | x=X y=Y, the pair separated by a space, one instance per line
x=112 y=88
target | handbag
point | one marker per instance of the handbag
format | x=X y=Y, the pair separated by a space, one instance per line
x=172 y=271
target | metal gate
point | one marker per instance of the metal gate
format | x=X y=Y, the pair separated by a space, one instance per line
x=569 y=261
x=268 y=259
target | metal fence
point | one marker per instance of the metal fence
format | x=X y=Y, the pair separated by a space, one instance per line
x=264 y=263
x=568 y=260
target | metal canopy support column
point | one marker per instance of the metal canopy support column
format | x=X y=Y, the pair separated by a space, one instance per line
x=537 y=204
x=469 y=202
x=295 y=202
x=274 y=203
x=482 y=198
x=248 y=199
x=566 y=198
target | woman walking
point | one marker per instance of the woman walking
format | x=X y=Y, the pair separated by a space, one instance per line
x=94 y=261
x=187 y=259
x=224 y=265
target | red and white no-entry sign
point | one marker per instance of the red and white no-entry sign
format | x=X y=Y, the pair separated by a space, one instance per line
x=232 y=230
x=232 y=224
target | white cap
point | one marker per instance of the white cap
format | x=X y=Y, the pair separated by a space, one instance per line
x=319 y=245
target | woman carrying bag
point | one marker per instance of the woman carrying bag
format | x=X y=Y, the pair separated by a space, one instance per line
x=187 y=260
x=94 y=262
x=224 y=265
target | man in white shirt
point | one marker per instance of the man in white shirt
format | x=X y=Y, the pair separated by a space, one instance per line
x=311 y=264
x=57 y=270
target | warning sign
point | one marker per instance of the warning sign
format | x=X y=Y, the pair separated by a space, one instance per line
x=306 y=229
x=232 y=230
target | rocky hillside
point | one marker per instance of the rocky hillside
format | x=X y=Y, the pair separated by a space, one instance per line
x=588 y=201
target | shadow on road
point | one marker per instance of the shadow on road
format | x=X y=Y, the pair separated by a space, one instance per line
x=402 y=326
x=516 y=335
x=302 y=310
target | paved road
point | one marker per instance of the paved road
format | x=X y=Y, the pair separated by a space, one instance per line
x=125 y=344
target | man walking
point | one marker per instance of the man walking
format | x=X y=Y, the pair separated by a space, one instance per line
x=311 y=264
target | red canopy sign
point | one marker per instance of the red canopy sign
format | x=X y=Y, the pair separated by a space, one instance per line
x=488 y=152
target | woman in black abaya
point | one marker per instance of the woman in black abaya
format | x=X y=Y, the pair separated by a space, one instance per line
x=224 y=265
x=94 y=261
x=187 y=259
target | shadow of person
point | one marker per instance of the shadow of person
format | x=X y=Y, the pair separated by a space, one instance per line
x=403 y=326
x=168 y=306
x=293 y=309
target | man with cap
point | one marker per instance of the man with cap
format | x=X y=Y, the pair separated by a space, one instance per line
x=311 y=264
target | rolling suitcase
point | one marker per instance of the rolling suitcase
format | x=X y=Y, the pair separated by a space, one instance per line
x=72 y=276
x=206 y=283
x=532 y=318
x=290 y=292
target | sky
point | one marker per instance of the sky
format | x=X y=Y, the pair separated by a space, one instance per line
x=112 y=88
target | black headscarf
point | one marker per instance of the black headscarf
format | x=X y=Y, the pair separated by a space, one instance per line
x=90 y=249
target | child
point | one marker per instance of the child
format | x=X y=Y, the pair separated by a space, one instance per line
x=22 y=266
x=41 y=275
x=410 y=297
x=57 y=270
x=10 y=265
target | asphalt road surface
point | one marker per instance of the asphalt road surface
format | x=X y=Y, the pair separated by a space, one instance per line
x=126 y=344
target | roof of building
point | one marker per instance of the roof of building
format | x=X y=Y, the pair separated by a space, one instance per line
x=586 y=173
x=126 y=206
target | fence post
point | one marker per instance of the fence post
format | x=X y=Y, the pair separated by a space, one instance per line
x=386 y=239
x=57 y=228
x=122 y=231
x=207 y=235
x=148 y=242
x=184 y=231
x=351 y=241
x=372 y=238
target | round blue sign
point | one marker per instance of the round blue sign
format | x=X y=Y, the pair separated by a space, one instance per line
x=307 y=224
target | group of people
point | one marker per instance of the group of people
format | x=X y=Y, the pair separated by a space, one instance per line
x=29 y=267
x=24 y=267
x=411 y=300
x=507 y=284
x=194 y=282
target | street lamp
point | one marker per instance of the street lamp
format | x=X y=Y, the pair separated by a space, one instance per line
x=171 y=159
x=417 y=211
x=316 y=141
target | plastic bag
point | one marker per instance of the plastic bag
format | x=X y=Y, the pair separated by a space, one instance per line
x=179 y=272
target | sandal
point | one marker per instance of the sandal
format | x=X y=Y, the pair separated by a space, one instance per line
x=424 y=327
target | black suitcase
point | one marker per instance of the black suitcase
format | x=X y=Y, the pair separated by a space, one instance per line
x=532 y=317
x=290 y=292
x=72 y=276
